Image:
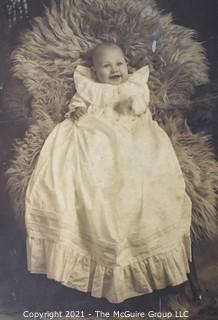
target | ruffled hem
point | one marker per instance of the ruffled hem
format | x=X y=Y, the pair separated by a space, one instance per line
x=60 y=262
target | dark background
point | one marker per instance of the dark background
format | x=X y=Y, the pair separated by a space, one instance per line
x=18 y=289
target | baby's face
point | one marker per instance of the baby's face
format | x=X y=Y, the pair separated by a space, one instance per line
x=110 y=65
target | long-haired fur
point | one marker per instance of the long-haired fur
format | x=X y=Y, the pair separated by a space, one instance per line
x=48 y=55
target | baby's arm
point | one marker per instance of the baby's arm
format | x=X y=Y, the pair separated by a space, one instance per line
x=77 y=108
x=134 y=103
x=140 y=103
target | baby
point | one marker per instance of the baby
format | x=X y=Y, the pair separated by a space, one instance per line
x=107 y=197
x=109 y=66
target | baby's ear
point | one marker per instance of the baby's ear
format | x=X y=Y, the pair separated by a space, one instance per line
x=93 y=69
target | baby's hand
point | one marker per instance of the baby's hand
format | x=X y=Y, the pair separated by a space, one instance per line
x=78 y=113
x=124 y=107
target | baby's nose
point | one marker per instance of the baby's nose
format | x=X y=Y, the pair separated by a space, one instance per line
x=114 y=68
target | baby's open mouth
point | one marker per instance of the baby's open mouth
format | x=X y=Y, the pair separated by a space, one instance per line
x=115 y=77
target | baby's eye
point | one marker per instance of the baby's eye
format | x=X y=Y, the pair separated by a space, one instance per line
x=106 y=65
x=119 y=63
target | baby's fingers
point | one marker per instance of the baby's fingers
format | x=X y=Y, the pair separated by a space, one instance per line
x=81 y=112
x=78 y=113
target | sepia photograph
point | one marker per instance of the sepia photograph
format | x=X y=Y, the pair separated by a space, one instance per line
x=108 y=159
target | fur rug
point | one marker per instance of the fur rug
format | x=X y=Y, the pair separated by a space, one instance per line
x=59 y=41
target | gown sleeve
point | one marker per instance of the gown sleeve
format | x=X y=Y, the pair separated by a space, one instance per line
x=76 y=102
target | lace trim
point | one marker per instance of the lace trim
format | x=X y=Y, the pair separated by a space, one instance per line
x=97 y=93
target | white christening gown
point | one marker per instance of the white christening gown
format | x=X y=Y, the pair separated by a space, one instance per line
x=106 y=206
